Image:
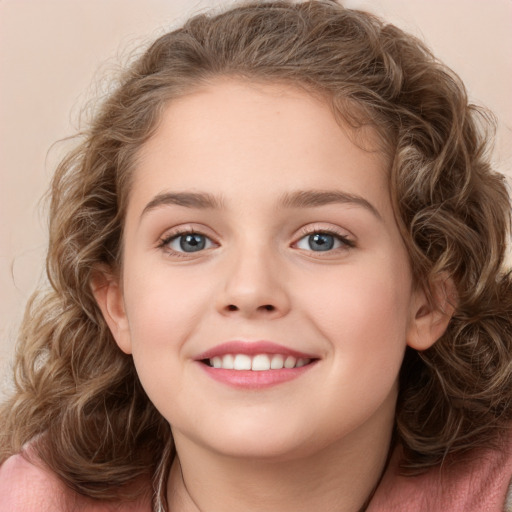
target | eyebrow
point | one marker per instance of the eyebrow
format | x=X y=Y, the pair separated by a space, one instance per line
x=298 y=199
x=201 y=201
x=314 y=198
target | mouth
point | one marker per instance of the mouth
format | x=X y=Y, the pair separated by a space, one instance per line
x=257 y=363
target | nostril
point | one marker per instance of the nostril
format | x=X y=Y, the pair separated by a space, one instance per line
x=265 y=307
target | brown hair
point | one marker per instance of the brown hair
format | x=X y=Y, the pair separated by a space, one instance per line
x=80 y=394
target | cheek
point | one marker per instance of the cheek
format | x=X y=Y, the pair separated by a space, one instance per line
x=366 y=297
x=163 y=307
x=364 y=319
x=364 y=313
x=162 y=312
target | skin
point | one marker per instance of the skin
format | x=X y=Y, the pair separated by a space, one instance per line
x=320 y=441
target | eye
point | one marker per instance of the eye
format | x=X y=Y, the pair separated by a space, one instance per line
x=188 y=242
x=323 y=241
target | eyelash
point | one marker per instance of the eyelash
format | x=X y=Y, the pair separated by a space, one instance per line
x=167 y=239
x=345 y=241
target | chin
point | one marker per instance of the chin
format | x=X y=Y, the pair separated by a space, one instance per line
x=261 y=441
x=263 y=451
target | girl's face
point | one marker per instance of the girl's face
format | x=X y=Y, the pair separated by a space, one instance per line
x=258 y=235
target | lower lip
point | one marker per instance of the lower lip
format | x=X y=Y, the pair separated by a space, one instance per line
x=249 y=379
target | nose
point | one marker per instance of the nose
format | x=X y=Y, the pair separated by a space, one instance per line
x=254 y=286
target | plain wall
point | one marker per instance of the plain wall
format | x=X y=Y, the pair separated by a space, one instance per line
x=53 y=54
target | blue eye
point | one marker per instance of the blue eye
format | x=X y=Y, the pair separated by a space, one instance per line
x=321 y=242
x=189 y=242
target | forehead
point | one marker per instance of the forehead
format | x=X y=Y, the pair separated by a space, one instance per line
x=232 y=132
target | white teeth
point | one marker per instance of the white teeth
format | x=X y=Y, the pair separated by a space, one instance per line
x=277 y=362
x=242 y=362
x=228 y=362
x=290 y=362
x=260 y=362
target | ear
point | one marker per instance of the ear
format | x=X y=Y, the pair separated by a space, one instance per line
x=431 y=313
x=108 y=293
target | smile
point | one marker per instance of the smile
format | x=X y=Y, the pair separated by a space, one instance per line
x=254 y=365
x=257 y=363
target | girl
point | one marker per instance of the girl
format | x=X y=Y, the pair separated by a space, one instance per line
x=277 y=283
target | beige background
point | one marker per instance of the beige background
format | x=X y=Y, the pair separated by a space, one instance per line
x=54 y=53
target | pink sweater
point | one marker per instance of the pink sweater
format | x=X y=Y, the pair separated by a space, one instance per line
x=28 y=487
x=479 y=485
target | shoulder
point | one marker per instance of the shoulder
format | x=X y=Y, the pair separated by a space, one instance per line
x=479 y=482
x=28 y=486
x=508 y=501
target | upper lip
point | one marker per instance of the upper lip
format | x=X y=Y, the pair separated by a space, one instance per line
x=252 y=348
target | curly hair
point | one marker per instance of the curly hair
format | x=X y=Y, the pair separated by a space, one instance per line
x=78 y=396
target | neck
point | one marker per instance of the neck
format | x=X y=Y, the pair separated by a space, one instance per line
x=337 y=478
